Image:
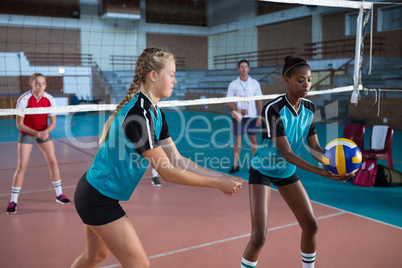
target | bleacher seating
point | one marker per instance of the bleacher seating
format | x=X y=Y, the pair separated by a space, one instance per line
x=216 y=82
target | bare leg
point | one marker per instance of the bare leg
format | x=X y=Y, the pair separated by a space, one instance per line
x=95 y=251
x=259 y=201
x=298 y=201
x=24 y=151
x=120 y=238
x=253 y=143
x=48 y=151
x=237 y=150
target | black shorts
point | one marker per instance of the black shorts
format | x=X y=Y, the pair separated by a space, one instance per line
x=257 y=178
x=93 y=207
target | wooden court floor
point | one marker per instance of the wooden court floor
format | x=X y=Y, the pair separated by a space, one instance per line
x=179 y=226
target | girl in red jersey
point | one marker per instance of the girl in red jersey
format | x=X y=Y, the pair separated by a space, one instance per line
x=35 y=127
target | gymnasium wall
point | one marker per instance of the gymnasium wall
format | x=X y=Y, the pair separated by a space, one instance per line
x=194 y=49
x=101 y=44
x=243 y=40
x=294 y=33
x=334 y=28
x=39 y=40
x=393 y=39
x=366 y=112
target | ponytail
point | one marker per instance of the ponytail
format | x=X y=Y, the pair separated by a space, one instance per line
x=151 y=59
x=290 y=64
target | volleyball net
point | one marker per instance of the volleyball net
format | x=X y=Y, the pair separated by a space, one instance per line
x=89 y=63
x=89 y=57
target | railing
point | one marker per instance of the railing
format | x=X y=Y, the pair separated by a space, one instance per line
x=121 y=60
x=59 y=59
x=102 y=89
x=263 y=57
x=385 y=89
x=211 y=90
x=332 y=74
x=341 y=47
x=265 y=77
x=180 y=62
x=105 y=89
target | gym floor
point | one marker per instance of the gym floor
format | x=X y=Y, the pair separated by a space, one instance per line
x=183 y=226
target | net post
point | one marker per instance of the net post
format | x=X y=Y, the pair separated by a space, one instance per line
x=358 y=53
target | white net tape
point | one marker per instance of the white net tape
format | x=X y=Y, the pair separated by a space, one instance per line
x=175 y=103
x=329 y=3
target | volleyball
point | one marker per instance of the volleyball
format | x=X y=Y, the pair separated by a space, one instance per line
x=342 y=156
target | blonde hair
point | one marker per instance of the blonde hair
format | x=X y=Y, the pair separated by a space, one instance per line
x=34 y=76
x=151 y=59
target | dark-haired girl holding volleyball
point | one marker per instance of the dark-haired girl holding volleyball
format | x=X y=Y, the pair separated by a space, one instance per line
x=288 y=123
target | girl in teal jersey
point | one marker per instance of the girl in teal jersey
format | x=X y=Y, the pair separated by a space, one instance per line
x=288 y=124
x=136 y=132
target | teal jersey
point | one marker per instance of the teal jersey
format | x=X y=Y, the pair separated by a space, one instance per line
x=119 y=165
x=279 y=118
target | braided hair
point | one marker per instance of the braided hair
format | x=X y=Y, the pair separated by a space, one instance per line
x=151 y=59
x=290 y=64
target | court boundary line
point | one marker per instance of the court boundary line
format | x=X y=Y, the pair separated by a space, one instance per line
x=313 y=201
x=227 y=239
x=341 y=211
x=45 y=165
x=76 y=148
x=52 y=189
x=39 y=191
x=352 y=213
x=356 y=214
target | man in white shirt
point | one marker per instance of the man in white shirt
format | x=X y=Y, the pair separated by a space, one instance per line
x=246 y=114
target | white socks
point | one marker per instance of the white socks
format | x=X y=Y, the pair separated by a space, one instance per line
x=154 y=173
x=57 y=187
x=248 y=264
x=308 y=259
x=15 y=191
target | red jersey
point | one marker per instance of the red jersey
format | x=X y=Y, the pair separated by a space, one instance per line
x=35 y=121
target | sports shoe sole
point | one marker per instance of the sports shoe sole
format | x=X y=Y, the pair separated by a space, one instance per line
x=58 y=201
x=12 y=213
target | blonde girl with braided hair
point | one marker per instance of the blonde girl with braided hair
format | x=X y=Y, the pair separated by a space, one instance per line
x=134 y=136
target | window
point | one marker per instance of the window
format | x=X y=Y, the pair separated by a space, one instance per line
x=389 y=18
x=351 y=24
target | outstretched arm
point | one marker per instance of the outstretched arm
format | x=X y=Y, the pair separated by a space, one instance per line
x=181 y=162
x=160 y=161
x=315 y=148
x=316 y=152
x=283 y=146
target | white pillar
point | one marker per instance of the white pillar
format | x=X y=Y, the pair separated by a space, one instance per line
x=316 y=32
